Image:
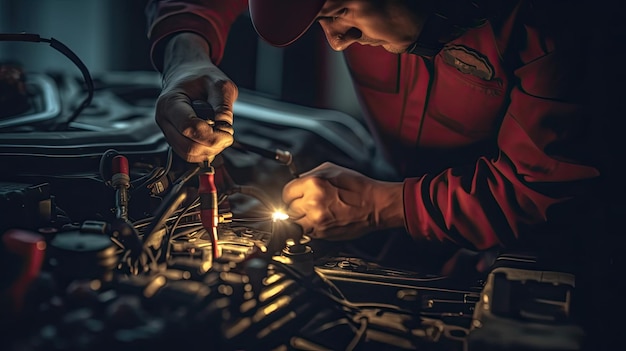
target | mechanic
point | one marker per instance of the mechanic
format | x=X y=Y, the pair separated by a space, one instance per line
x=480 y=106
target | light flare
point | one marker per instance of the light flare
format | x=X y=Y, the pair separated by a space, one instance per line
x=279 y=215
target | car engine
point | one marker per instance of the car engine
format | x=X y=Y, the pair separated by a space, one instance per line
x=111 y=242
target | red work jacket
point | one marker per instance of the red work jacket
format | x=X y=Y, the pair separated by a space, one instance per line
x=490 y=134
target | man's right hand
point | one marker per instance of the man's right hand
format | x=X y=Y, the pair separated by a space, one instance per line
x=189 y=75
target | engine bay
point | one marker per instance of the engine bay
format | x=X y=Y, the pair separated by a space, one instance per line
x=104 y=244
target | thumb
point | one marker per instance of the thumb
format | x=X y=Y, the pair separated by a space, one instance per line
x=222 y=97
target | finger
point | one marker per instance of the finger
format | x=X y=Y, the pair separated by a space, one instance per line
x=224 y=115
x=306 y=225
x=189 y=148
x=294 y=210
x=186 y=148
x=224 y=127
x=200 y=137
x=176 y=109
x=292 y=191
x=323 y=170
x=222 y=97
x=206 y=112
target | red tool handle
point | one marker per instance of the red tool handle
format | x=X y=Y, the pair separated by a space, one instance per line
x=209 y=206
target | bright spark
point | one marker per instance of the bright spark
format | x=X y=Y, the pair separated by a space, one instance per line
x=279 y=215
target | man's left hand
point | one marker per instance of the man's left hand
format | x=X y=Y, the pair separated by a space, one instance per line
x=335 y=203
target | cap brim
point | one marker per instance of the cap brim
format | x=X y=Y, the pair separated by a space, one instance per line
x=281 y=22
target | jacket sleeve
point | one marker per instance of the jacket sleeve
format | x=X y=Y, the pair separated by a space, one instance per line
x=211 y=19
x=546 y=160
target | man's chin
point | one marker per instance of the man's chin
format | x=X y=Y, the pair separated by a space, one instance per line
x=395 y=49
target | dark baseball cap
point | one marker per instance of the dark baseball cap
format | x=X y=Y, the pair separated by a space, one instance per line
x=281 y=22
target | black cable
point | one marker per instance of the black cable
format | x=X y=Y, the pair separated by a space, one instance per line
x=188 y=229
x=67 y=52
x=156 y=173
x=164 y=212
x=169 y=233
x=222 y=198
x=144 y=222
x=282 y=156
x=330 y=325
x=105 y=165
x=171 y=202
x=358 y=337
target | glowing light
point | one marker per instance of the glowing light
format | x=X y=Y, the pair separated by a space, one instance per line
x=95 y=285
x=279 y=215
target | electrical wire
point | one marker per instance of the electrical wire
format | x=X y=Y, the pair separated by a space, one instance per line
x=332 y=324
x=170 y=232
x=105 y=165
x=342 y=300
x=67 y=52
x=117 y=242
x=358 y=337
x=170 y=204
x=144 y=222
x=222 y=198
x=152 y=257
x=191 y=232
x=255 y=220
x=190 y=225
x=155 y=174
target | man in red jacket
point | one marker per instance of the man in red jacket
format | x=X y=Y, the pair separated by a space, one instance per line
x=480 y=106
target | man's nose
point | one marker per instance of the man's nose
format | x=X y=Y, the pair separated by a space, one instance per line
x=339 y=37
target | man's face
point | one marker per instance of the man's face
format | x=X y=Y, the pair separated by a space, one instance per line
x=387 y=23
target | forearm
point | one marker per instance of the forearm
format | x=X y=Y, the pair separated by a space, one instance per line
x=210 y=19
x=185 y=48
x=389 y=205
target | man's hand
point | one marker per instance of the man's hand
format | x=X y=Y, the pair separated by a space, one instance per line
x=335 y=203
x=189 y=75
